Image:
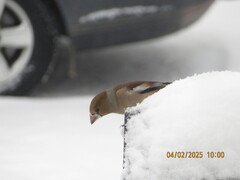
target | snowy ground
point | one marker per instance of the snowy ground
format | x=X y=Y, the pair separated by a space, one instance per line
x=51 y=138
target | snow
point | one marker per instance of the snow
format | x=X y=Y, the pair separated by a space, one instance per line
x=116 y=12
x=196 y=114
x=51 y=138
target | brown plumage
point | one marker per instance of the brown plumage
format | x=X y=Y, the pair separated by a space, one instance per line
x=119 y=98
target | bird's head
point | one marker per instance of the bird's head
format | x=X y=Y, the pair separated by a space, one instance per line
x=99 y=107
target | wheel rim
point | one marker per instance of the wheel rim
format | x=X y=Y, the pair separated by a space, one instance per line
x=16 y=43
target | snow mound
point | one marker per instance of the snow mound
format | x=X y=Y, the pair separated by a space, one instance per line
x=193 y=116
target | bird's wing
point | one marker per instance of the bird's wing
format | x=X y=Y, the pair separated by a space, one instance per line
x=147 y=87
x=141 y=86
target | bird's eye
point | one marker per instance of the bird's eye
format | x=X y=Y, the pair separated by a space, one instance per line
x=97 y=110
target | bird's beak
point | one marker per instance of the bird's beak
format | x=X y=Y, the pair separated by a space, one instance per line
x=94 y=117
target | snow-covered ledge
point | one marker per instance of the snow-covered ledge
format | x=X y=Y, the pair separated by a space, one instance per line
x=193 y=116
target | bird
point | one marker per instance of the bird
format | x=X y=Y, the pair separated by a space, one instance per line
x=118 y=98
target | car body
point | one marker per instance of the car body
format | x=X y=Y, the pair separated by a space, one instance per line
x=33 y=27
x=92 y=24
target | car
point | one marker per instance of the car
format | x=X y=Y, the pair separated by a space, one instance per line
x=30 y=31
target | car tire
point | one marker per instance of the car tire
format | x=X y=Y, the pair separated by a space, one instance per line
x=25 y=53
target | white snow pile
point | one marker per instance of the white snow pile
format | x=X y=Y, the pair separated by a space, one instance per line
x=193 y=115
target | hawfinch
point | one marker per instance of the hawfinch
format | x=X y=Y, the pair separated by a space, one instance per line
x=119 y=98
